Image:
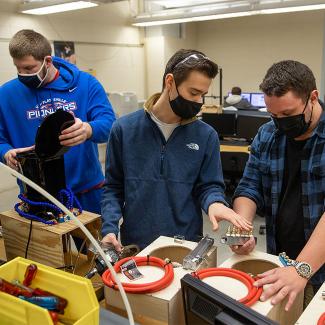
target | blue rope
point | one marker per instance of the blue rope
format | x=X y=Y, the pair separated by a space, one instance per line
x=65 y=196
x=32 y=216
x=40 y=204
x=71 y=199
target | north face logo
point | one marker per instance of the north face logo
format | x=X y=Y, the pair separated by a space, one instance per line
x=193 y=146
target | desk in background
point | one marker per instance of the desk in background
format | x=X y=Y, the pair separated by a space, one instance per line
x=234 y=148
x=238 y=124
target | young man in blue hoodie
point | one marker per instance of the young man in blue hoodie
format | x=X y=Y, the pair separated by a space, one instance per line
x=45 y=84
x=163 y=164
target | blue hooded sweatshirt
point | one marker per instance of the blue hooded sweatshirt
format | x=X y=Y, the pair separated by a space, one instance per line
x=22 y=109
x=159 y=187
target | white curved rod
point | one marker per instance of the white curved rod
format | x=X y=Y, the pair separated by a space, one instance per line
x=83 y=228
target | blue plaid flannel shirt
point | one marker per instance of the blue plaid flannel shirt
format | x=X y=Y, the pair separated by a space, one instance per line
x=263 y=175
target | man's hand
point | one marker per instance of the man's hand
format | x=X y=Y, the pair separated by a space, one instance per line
x=76 y=134
x=111 y=239
x=283 y=281
x=217 y=212
x=10 y=156
x=244 y=249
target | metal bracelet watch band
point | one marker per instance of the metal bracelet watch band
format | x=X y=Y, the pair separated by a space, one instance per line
x=303 y=268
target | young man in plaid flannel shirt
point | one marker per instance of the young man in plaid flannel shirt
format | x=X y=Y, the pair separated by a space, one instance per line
x=285 y=178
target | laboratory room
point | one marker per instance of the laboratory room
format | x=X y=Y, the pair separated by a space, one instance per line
x=162 y=162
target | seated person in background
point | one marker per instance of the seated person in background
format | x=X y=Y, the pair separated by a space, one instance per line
x=163 y=164
x=236 y=100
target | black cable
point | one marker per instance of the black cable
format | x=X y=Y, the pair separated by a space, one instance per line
x=29 y=236
x=69 y=267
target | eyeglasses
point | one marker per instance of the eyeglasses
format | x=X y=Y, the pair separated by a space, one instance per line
x=196 y=57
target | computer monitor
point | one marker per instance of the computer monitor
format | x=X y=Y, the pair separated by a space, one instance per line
x=244 y=95
x=224 y=124
x=205 y=305
x=248 y=125
x=257 y=100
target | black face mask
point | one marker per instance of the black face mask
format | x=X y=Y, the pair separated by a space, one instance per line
x=33 y=80
x=185 y=108
x=293 y=126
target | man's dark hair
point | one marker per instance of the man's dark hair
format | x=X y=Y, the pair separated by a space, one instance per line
x=181 y=65
x=28 y=42
x=235 y=91
x=287 y=76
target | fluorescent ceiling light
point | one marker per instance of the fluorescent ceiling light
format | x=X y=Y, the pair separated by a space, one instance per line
x=292 y=9
x=60 y=7
x=193 y=19
x=144 y=21
x=183 y=3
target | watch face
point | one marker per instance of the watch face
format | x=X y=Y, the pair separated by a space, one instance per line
x=304 y=269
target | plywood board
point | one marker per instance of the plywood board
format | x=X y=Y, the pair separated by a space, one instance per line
x=2 y=250
x=46 y=243
x=60 y=229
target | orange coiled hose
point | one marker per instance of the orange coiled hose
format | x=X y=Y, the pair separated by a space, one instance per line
x=254 y=293
x=321 y=320
x=158 y=285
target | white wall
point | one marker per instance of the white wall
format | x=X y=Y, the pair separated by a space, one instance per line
x=246 y=47
x=160 y=44
x=105 y=42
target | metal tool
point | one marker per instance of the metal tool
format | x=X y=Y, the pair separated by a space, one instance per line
x=195 y=258
x=112 y=255
x=236 y=236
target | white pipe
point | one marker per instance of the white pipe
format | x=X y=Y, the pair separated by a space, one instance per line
x=83 y=228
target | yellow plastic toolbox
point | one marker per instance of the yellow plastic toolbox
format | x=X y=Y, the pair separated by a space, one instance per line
x=82 y=309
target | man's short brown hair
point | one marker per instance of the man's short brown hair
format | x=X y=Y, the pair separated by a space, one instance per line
x=28 y=42
x=287 y=76
x=183 y=62
x=236 y=91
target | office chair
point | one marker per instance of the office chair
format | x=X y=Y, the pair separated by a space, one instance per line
x=233 y=165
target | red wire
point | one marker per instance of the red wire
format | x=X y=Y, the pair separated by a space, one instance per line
x=321 y=320
x=143 y=287
x=254 y=293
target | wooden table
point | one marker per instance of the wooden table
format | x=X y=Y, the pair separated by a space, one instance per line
x=234 y=148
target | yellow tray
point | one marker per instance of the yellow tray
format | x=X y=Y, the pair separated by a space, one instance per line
x=82 y=307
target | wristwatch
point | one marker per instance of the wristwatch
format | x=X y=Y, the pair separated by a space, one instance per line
x=303 y=268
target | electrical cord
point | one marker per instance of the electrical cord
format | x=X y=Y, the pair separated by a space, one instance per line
x=142 y=288
x=29 y=237
x=254 y=293
x=321 y=320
